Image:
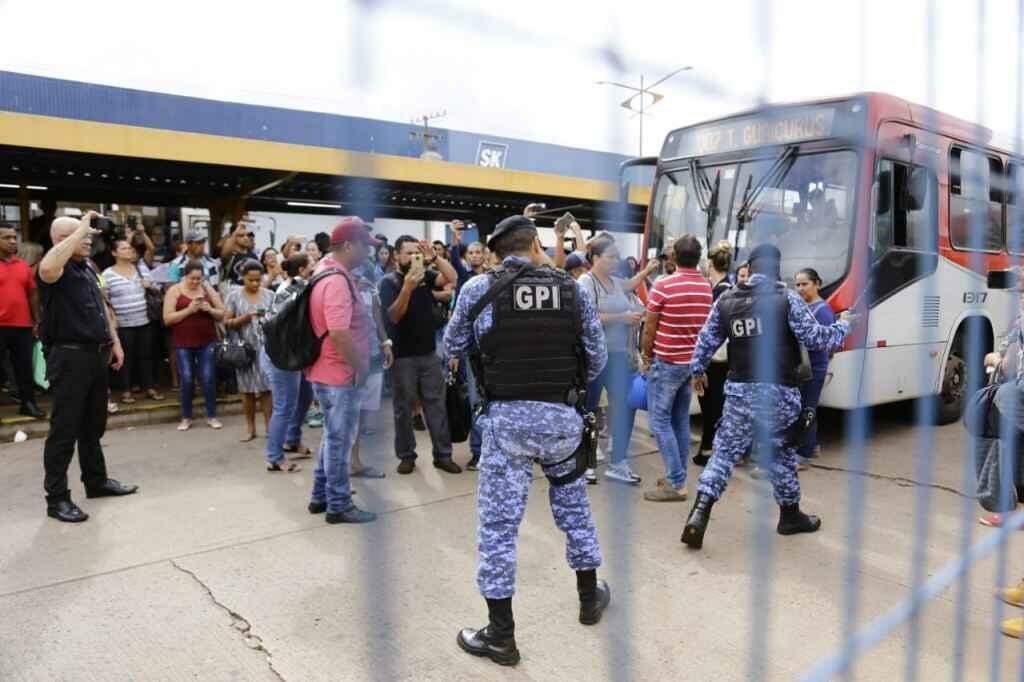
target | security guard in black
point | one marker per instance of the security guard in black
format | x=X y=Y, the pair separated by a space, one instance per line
x=79 y=335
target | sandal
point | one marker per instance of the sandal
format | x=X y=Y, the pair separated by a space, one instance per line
x=214 y=423
x=154 y=394
x=127 y=399
x=299 y=451
x=289 y=468
x=185 y=425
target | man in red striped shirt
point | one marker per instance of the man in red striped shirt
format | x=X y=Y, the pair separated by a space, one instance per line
x=677 y=307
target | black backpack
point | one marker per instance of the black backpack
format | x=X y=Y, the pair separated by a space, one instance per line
x=289 y=339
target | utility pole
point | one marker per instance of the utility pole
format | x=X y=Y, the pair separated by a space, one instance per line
x=428 y=139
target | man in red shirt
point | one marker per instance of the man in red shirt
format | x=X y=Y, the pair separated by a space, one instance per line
x=335 y=309
x=677 y=308
x=19 y=316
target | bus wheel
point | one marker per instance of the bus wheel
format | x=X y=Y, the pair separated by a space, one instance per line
x=954 y=385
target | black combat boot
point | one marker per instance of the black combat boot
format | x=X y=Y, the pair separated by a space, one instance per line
x=595 y=596
x=697 y=522
x=497 y=640
x=30 y=409
x=793 y=521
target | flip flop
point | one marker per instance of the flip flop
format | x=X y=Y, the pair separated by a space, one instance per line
x=368 y=472
x=992 y=521
x=291 y=468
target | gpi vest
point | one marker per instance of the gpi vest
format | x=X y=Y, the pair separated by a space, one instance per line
x=533 y=349
x=756 y=320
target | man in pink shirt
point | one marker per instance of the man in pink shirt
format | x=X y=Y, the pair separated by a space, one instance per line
x=335 y=309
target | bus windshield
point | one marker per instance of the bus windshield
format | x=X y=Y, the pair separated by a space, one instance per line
x=806 y=211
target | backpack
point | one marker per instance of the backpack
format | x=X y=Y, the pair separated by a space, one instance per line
x=289 y=339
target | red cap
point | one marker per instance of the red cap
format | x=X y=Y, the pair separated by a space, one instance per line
x=352 y=229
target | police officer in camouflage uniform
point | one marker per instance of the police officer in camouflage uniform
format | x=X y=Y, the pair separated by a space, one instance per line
x=536 y=342
x=765 y=323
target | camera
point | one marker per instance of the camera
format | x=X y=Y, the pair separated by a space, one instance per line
x=105 y=225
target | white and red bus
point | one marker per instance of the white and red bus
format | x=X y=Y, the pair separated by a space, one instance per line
x=911 y=217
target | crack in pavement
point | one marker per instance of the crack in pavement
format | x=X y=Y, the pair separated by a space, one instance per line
x=238 y=621
x=898 y=480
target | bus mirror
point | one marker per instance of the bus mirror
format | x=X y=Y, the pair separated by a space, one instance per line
x=1002 y=279
x=917 y=190
x=623 y=190
x=884 y=201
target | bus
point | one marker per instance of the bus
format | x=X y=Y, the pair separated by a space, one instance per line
x=911 y=216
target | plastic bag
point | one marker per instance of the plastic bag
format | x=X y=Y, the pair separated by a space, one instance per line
x=39 y=366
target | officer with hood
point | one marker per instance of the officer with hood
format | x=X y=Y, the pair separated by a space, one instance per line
x=535 y=342
x=765 y=324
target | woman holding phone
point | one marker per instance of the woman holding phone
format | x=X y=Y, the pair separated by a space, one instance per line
x=245 y=309
x=191 y=309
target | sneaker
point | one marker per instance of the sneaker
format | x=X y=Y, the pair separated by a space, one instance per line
x=701 y=459
x=351 y=515
x=622 y=472
x=185 y=425
x=418 y=423
x=664 y=492
x=406 y=466
x=1014 y=596
x=111 y=407
x=473 y=464
x=214 y=423
x=591 y=476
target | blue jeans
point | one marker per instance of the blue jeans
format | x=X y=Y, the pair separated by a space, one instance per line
x=668 y=410
x=291 y=395
x=191 y=361
x=616 y=377
x=810 y=395
x=340 y=405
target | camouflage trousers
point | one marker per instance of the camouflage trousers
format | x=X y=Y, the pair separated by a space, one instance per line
x=762 y=412
x=506 y=471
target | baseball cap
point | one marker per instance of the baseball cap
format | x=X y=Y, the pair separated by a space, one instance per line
x=573 y=261
x=351 y=229
x=765 y=251
x=196 y=236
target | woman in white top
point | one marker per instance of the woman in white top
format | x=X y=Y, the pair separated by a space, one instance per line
x=127 y=284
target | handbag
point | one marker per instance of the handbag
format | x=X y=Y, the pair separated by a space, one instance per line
x=154 y=304
x=234 y=353
x=981 y=416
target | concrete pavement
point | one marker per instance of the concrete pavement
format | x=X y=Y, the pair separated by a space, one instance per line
x=216 y=571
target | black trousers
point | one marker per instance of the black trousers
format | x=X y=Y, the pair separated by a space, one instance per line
x=712 y=402
x=137 y=343
x=78 y=384
x=18 y=342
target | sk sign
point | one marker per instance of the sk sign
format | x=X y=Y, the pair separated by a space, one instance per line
x=491 y=154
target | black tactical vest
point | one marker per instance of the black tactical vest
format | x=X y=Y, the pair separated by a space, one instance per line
x=756 y=321
x=533 y=349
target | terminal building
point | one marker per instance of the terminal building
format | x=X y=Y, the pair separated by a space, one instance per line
x=177 y=163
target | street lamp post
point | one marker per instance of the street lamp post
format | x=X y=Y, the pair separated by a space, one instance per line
x=641 y=94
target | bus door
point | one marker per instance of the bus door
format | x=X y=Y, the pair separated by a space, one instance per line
x=904 y=296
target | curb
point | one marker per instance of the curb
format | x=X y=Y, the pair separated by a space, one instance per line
x=128 y=416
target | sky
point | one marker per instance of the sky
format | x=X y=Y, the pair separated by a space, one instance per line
x=528 y=69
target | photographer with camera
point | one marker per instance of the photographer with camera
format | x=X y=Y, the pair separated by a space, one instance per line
x=80 y=335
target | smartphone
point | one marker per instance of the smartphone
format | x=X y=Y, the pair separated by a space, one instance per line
x=261 y=310
x=565 y=221
x=417 y=259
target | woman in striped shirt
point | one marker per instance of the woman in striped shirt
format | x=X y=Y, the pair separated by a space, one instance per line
x=126 y=286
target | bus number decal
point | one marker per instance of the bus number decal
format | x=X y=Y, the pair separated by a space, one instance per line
x=975 y=297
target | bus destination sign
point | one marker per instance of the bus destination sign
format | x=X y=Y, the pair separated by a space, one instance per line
x=773 y=127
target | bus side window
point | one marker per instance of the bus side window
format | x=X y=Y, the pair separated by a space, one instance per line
x=975 y=201
x=1015 y=209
